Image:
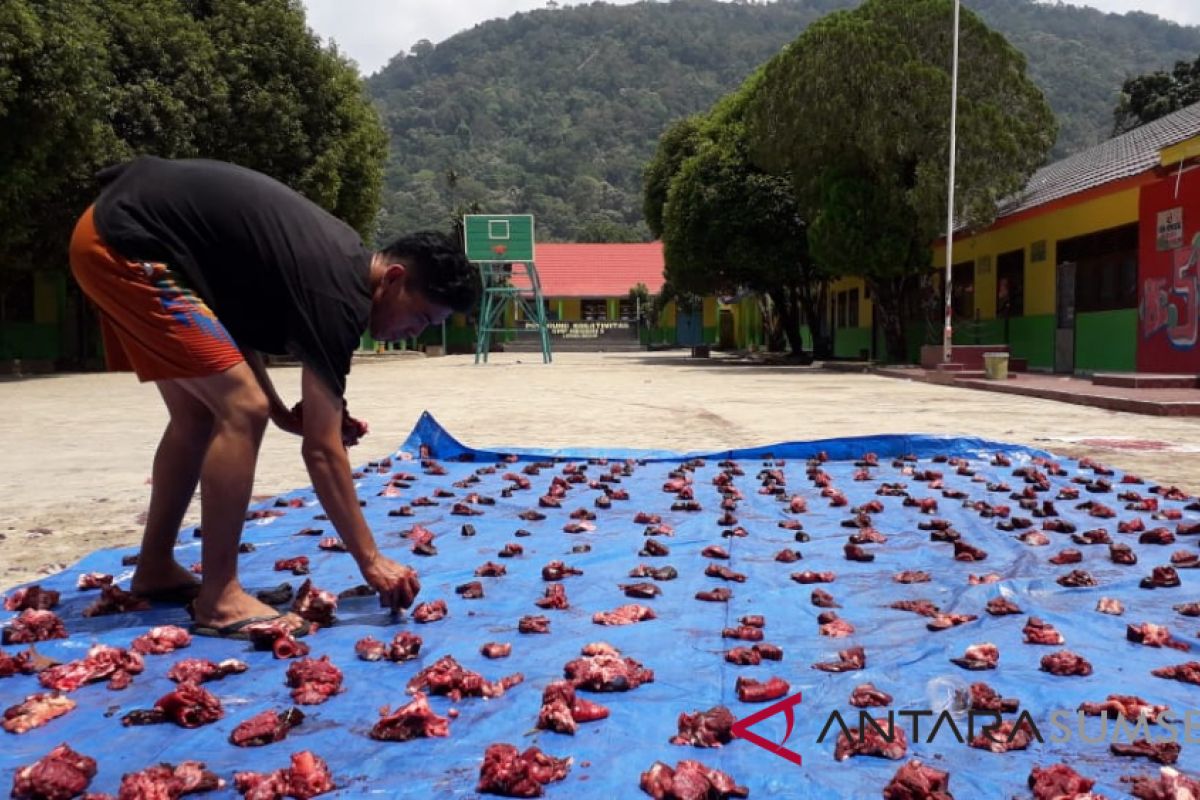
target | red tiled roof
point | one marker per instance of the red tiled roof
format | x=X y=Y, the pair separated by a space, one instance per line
x=598 y=270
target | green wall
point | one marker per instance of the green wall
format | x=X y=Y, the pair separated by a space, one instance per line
x=30 y=340
x=1032 y=338
x=847 y=342
x=1106 y=341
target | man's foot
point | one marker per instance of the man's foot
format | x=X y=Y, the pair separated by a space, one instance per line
x=233 y=607
x=165 y=583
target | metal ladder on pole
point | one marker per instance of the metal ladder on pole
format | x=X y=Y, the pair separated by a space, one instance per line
x=516 y=286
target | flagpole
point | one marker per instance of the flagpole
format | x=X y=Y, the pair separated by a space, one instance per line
x=948 y=329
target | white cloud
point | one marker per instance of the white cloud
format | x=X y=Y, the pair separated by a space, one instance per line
x=372 y=31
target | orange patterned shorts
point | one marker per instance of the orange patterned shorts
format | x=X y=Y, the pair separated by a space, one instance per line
x=151 y=321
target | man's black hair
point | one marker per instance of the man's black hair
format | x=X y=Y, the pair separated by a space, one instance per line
x=439 y=268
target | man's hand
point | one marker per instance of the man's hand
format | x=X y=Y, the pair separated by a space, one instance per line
x=288 y=421
x=352 y=429
x=397 y=584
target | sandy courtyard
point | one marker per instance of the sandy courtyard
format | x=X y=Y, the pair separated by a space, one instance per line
x=76 y=453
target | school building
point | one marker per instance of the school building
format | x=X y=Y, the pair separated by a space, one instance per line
x=1093 y=268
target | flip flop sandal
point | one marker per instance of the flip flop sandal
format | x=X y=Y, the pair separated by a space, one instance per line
x=239 y=630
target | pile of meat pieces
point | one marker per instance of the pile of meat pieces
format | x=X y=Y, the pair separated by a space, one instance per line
x=689 y=779
x=510 y=773
x=562 y=710
x=410 y=721
x=916 y=781
x=447 y=677
x=102 y=662
x=307 y=776
x=313 y=681
x=603 y=669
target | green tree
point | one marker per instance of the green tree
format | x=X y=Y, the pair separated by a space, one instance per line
x=856 y=110
x=1149 y=97
x=726 y=225
x=85 y=83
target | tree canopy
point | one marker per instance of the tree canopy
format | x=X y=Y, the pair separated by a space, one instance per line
x=1149 y=97
x=85 y=83
x=856 y=110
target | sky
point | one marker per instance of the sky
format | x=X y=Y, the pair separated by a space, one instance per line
x=372 y=31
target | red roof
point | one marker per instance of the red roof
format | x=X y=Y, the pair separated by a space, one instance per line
x=598 y=270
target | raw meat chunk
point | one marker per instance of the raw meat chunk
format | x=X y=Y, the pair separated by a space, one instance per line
x=850 y=659
x=167 y=781
x=1109 y=605
x=315 y=605
x=34 y=625
x=718 y=595
x=1123 y=705
x=916 y=781
x=865 y=695
x=411 y=721
x=307 y=776
x=35 y=711
x=870 y=741
x=265 y=728
x=750 y=690
x=689 y=780
x=101 y=663
x=496 y=650
x=1066 y=663
x=1188 y=672
x=510 y=773
x=1005 y=737
x=199 y=670
x=115 y=600
x=1170 y=785
x=711 y=728
x=59 y=775
x=190 y=706
x=313 y=681
x=446 y=676
x=1158 y=752
x=606 y=671
x=533 y=623
x=1060 y=782
x=34 y=597
x=1000 y=606
x=979 y=656
x=985 y=698
x=1153 y=635
x=161 y=639
x=1038 y=631
x=555 y=597
x=431 y=611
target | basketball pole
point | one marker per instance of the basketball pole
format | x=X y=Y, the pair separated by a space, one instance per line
x=948 y=330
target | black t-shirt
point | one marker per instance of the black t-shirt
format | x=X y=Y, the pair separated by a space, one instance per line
x=281 y=273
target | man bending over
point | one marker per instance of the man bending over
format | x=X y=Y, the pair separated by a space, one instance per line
x=196 y=267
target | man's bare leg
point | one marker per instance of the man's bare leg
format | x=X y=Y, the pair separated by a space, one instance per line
x=176 y=472
x=240 y=413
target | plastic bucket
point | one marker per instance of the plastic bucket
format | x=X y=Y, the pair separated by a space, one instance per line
x=995 y=366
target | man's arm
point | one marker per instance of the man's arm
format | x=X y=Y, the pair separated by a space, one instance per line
x=329 y=468
x=281 y=415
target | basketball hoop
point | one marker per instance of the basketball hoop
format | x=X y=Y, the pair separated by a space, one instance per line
x=499 y=249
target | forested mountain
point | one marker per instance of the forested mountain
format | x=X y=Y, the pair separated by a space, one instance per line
x=556 y=111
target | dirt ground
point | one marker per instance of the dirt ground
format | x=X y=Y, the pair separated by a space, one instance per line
x=76 y=449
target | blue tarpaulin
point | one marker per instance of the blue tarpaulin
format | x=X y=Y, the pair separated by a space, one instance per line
x=683 y=646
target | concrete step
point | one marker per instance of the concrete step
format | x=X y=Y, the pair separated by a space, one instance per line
x=1144 y=380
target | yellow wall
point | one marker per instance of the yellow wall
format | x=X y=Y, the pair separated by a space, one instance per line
x=864 y=305
x=709 y=319
x=1109 y=211
x=572 y=309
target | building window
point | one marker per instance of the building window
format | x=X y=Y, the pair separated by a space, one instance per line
x=626 y=310
x=1106 y=267
x=1010 y=284
x=962 y=300
x=594 y=310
